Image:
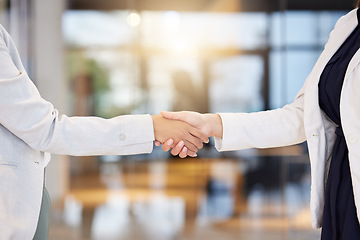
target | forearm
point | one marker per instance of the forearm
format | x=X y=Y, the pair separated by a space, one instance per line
x=43 y=129
x=122 y=135
x=275 y=128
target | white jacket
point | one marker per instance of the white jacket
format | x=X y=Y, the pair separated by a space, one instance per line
x=304 y=120
x=30 y=127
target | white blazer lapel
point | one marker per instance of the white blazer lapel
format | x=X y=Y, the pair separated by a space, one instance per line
x=337 y=38
x=340 y=33
x=353 y=63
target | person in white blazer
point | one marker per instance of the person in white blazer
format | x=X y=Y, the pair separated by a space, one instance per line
x=31 y=128
x=302 y=120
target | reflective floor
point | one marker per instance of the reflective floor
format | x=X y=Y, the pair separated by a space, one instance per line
x=251 y=197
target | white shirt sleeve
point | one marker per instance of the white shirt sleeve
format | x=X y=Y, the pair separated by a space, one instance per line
x=34 y=120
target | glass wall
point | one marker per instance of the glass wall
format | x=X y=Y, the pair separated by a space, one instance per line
x=225 y=58
x=297 y=39
x=127 y=62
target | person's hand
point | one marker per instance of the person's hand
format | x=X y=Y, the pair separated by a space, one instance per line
x=179 y=149
x=195 y=119
x=179 y=132
x=208 y=123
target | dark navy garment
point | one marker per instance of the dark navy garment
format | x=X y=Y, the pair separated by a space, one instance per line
x=340 y=221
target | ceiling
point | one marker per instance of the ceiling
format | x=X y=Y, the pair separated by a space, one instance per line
x=212 y=5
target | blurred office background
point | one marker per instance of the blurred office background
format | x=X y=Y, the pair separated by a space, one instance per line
x=111 y=57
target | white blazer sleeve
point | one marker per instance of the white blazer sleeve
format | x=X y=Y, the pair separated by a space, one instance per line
x=273 y=128
x=34 y=120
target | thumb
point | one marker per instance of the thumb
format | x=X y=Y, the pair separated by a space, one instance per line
x=157 y=143
x=171 y=115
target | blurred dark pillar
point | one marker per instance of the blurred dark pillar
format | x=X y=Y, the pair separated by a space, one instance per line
x=83 y=91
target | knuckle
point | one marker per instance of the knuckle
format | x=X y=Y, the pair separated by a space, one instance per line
x=193 y=148
x=185 y=135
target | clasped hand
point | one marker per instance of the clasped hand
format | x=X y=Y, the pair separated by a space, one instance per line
x=185 y=132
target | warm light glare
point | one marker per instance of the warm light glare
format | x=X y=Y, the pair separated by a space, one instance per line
x=134 y=19
x=185 y=49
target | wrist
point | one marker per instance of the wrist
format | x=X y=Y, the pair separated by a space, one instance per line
x=215 y=124
x=155 y=119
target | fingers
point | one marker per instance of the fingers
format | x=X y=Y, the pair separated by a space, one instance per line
x=177 y=149
x=193 y=141
x=167 y=145
x=191 y=154
x=157 y=143
x=191 y=146
x=191 y=118
x=195 y=119
x=200 y=135
x=171 y=115
x=186 y=152
x=183 y=152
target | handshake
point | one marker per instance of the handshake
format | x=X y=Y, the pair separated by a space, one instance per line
x=185 y=132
